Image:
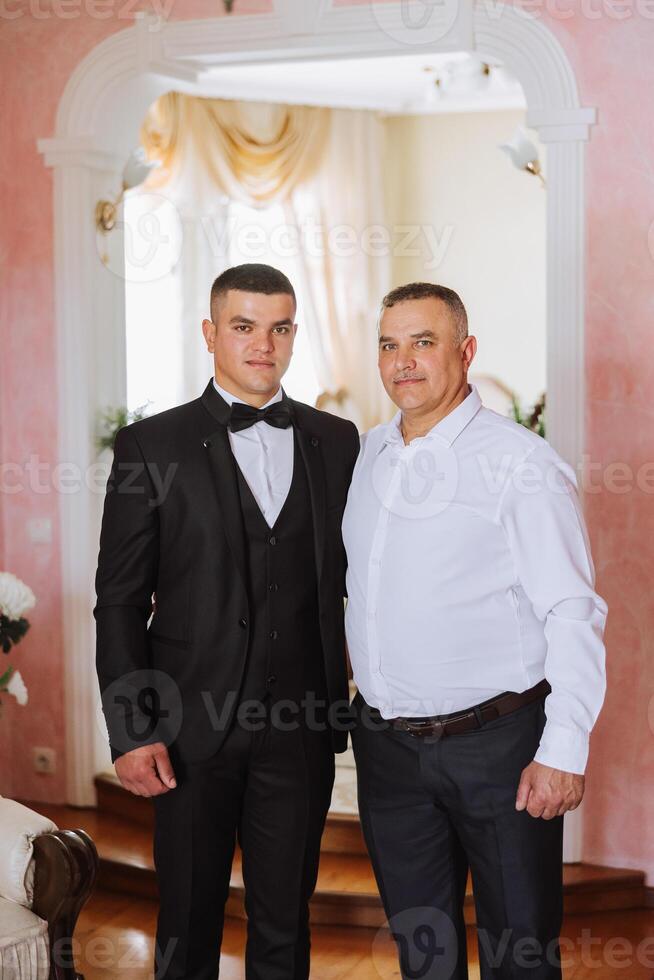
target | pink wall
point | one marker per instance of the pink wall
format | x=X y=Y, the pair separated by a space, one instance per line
x=613 y=63
x=38 y=55
x=609 y=45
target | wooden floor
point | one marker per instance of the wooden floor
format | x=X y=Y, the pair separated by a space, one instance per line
x=608 y=932
x=114 y=939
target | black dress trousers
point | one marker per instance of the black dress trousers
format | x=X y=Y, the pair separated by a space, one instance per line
x=271 y=790
x=433 y=807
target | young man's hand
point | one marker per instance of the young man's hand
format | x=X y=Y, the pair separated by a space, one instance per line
x=146 y=771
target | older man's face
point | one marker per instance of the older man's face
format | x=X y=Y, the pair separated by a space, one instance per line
x=420 y=362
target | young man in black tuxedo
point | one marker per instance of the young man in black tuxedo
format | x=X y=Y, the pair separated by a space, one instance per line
x=223 y=708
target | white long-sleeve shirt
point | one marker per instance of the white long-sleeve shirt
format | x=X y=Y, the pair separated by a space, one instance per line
x=470 y=574
x=265 y=458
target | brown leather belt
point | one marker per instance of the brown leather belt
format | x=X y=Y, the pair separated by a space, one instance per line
x=467 y=721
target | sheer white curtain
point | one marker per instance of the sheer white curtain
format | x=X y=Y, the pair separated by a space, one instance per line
x=345 y=260
x=319 y=235
x=167 y=359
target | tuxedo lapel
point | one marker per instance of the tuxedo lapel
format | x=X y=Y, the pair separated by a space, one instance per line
x=313 y=461
x=223 y=470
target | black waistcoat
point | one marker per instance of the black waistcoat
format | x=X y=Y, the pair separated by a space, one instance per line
x=285 y=656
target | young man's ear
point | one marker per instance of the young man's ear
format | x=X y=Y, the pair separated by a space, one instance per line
x=209 y=331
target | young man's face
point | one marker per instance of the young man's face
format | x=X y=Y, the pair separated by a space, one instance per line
x=251 y=337
x=420 y=362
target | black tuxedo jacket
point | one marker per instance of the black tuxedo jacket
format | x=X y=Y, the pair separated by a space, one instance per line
x=172 y=527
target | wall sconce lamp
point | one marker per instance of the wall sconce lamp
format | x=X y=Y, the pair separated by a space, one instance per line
x=135 y=171
x=523 y=154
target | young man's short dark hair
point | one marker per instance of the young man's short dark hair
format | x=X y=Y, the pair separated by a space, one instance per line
x=251 y=278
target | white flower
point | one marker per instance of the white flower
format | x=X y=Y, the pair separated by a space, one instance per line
x=16 y=687
x=15 y=597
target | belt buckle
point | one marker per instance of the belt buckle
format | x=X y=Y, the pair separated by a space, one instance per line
x=430 y=727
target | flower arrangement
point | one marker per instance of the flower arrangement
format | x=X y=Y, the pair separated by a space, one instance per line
x=114 y=419
x=534 y=420
x=15 y=600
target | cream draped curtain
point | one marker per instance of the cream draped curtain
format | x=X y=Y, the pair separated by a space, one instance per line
x=256 y=153
x=324 y=168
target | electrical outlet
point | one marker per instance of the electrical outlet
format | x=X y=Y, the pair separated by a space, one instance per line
x=44 y=760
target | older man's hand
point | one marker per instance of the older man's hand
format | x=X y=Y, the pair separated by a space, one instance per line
x=547 y=793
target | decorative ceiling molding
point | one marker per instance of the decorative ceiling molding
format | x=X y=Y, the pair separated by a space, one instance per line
x=177 y=54
x=299 y=17
x=78 y=151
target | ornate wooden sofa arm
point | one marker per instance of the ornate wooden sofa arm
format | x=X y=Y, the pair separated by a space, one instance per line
x=65 y=870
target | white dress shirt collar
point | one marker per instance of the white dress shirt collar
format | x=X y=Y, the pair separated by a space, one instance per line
x=230 y=399
x=264 y=455
x=448 y=429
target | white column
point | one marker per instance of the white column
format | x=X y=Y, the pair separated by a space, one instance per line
x=565 y=336
x=91 y=375
x=565 y=299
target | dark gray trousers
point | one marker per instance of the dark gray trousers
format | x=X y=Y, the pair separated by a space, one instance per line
x=433 y=808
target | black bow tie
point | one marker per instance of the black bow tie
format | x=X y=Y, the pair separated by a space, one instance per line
x=243 y=416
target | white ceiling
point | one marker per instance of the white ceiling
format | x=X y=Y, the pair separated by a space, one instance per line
x=398 y=84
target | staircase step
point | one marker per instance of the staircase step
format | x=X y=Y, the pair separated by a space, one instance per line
x=115 y=800
x=346 y=893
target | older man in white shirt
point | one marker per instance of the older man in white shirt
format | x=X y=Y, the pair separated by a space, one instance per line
x=475 y=636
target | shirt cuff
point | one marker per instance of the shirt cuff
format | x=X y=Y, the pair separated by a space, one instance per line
x=563 y=748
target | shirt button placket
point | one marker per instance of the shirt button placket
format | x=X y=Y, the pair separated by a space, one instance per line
x=374 y=576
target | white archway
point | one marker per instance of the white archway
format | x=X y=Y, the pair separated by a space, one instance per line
x=97 y=125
